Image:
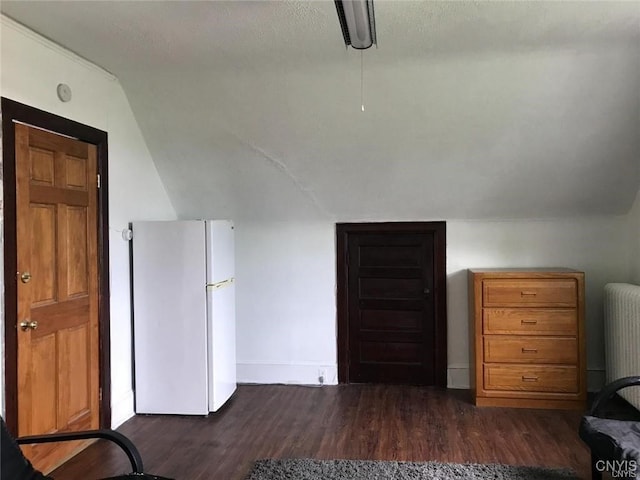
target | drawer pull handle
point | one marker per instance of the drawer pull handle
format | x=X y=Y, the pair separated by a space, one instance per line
x=529 y=379
x=528 y=294
x=529 y=350
x=528 y=322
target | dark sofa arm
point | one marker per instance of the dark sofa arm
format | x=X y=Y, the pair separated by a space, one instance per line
x=609 y=391
x=123 y=442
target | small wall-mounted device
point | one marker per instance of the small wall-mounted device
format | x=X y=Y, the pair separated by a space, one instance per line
x=127 y=234
x=64 y=92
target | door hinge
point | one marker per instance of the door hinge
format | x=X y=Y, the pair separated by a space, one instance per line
x=100 y=394
x=98 y=180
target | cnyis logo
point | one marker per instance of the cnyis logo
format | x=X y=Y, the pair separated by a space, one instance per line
x=619 y=468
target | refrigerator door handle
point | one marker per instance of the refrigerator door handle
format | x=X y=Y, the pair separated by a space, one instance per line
x=222 y=284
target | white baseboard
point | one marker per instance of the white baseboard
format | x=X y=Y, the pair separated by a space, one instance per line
x=457 y=375
x=121 y=409
x=286 y=374
x=595 y=379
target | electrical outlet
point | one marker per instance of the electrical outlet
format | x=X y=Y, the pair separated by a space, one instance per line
x=321 y=377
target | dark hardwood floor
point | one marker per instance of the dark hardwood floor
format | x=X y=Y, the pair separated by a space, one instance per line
x=349 y=421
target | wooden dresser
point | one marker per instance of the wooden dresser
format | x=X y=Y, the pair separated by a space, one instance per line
x=527 y=338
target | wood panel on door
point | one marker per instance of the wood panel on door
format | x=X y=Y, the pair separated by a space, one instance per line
x=56 y=229
x=391 y=308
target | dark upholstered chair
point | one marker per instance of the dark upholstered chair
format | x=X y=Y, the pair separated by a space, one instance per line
x=14 y=465
x=614 y=444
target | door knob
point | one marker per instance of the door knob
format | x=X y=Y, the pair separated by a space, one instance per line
x=28 y=325
x=25 y=277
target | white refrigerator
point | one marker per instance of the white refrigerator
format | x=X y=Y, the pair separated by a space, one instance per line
x=184 y=331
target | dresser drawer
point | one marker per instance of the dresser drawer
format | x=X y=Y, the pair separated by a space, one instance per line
x=529 y=321
x=533 y=378
x=547 y=292
x=504 y=349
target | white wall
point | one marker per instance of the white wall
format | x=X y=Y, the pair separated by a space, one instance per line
x=31 y=69
x=286 y=287
x=598 y=246
x=286 y=302
x=286 y=270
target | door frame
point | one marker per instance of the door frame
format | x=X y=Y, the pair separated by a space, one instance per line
x=12 y=112
x=438 y=229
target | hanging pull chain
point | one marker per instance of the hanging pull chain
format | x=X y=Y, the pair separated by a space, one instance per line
x=362 y=79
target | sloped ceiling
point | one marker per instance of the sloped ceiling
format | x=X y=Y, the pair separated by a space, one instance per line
x=472 y=109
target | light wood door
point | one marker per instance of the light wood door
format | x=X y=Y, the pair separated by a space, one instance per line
x=58 y=363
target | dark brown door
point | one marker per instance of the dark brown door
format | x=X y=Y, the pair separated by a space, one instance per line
x=394 y=294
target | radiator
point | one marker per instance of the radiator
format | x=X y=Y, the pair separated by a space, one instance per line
x=622 y=335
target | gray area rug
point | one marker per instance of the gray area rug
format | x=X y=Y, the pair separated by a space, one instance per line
x=306 y=469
